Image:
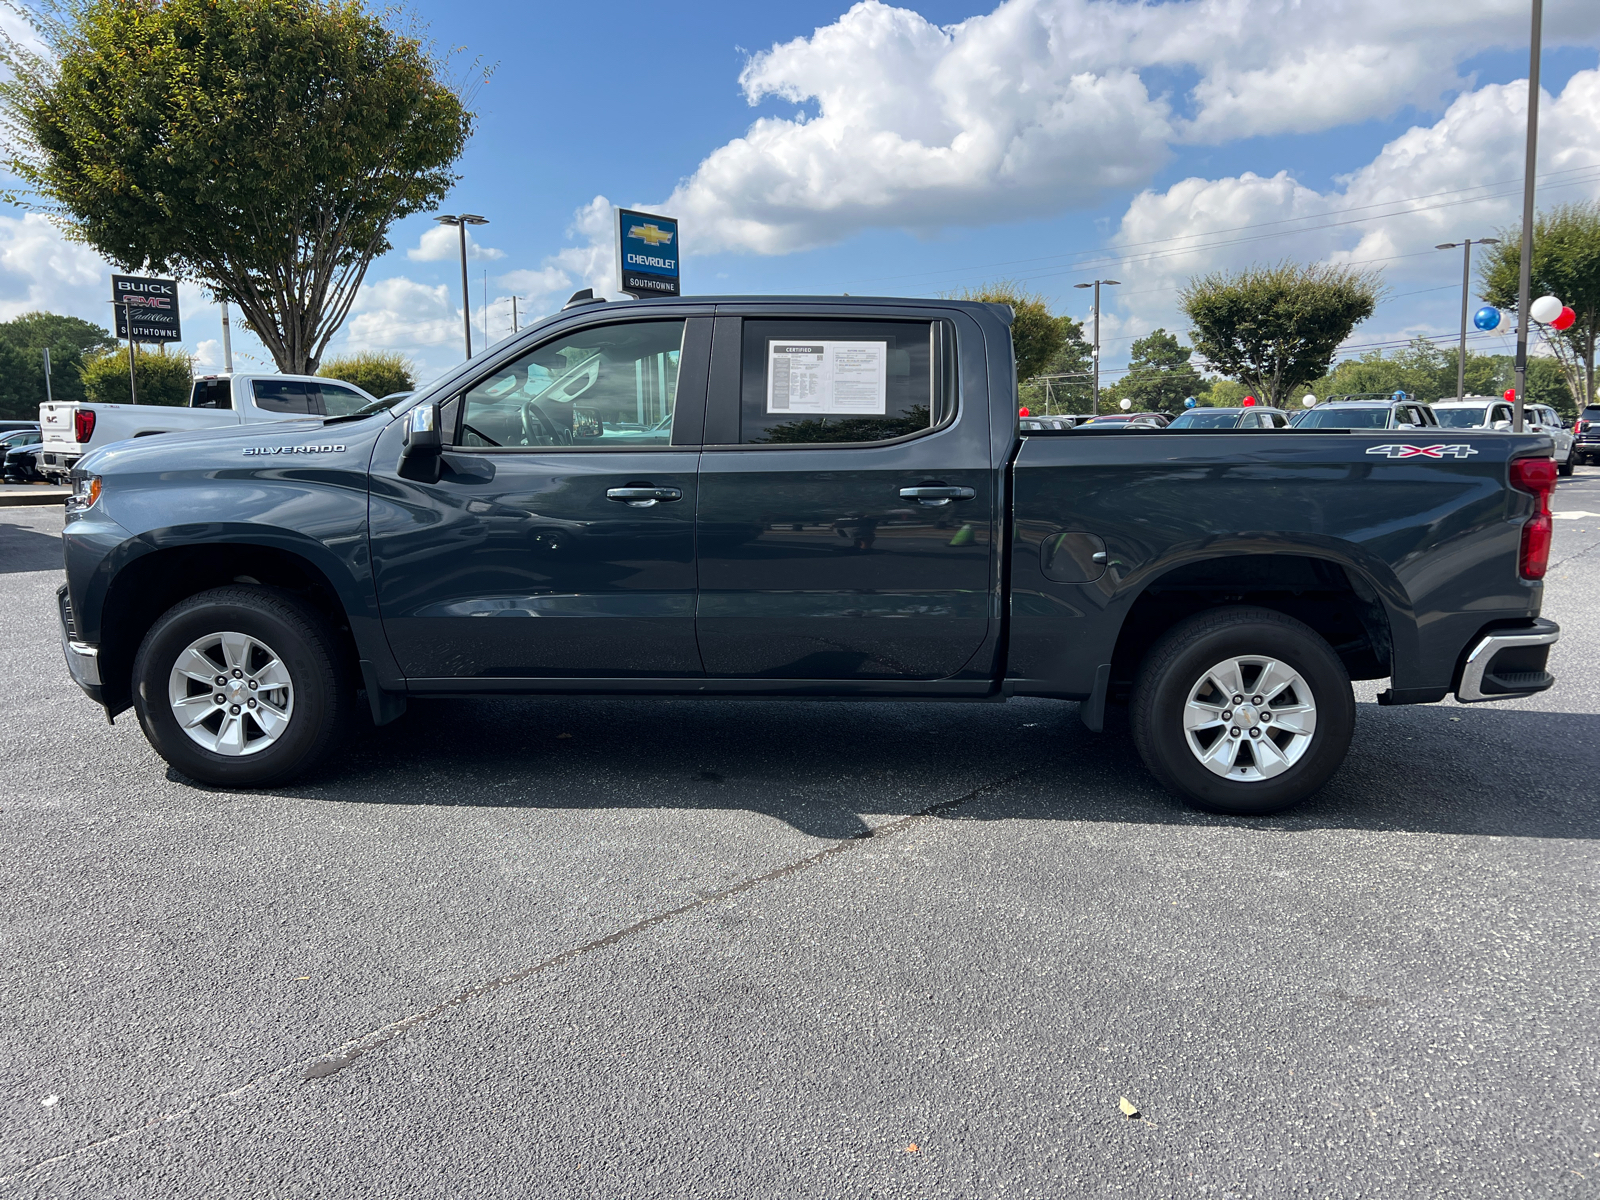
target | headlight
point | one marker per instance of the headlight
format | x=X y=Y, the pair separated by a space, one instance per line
x=85 y=491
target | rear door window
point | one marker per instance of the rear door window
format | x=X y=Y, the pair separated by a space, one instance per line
x=807 y=382
x=284 y=396
x=340 y=401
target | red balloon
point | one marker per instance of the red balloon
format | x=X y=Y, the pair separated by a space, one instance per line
x=1022 y=412
x=1565 y=319
x=1249 y=402
x=1511 y=395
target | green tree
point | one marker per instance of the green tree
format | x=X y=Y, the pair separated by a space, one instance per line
x=1428 y=372
x=163 y=378
x=1159 y=377
x=263 y=147
x=1065 y=384
x=375 y=372
x=1036 y=335
x=22 y=343
x=1566 y=263
x=1275 y=329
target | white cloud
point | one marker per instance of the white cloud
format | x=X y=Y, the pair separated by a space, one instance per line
x=1040 y=106
x=1456 y=178
x=400 y=313
x=40 y=269
x=442 y=243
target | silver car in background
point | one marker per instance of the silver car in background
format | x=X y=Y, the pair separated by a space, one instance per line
x=1485 y=412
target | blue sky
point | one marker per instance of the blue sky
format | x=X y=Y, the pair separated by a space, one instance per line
x=939 y=145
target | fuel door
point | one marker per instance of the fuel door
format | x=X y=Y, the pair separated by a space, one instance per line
x=1073 y=557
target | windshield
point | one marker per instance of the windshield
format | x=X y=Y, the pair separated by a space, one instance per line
x=1344 y=418
x=1195 y=419
x=1460 y=418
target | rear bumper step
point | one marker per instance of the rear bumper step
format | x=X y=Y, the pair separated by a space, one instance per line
x=1509 y=663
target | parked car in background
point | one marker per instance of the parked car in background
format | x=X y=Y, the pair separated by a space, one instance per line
x=19 y=437
x=1255 y=417
x=1386 y=413
x=1485 y=412
x=70 y=429
x=14 y=426
x=1586 y=435
x=1156 y=420
x=21 y=463
x=1473 y=412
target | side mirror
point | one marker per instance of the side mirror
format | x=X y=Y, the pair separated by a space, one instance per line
x=1502 y=426
x=422 y=457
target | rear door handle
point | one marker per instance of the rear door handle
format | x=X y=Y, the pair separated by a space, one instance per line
x=936 y=497
x=643 y=497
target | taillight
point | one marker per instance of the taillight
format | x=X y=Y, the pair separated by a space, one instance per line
x=1536 y=476
x=83 y=425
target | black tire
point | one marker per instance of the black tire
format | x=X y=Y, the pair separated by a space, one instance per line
x=300 y=638
x=1181 y=659
x=1566 y=467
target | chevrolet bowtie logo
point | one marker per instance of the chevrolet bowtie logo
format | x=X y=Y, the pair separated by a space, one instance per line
x=650 y=235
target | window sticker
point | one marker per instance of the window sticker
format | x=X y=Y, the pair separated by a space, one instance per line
x=848 y=378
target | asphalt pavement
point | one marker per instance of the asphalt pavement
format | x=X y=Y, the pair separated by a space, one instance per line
x=641 y=948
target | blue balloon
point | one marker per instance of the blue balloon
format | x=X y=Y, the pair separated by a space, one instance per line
x=1398 y=395
x=1486 y=318
x=1189 y=403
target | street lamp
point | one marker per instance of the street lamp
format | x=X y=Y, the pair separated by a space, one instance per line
x=1466 y=283
x=1096 y=286
x=461 y=221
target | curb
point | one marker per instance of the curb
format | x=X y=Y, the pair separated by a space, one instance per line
x=41 y=496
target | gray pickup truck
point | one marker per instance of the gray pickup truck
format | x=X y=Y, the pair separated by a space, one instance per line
x=823 y=498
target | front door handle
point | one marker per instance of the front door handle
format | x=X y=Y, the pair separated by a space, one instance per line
x=936 y=497
x=643 y=497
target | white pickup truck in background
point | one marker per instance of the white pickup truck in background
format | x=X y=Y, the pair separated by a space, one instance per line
x=71 y=430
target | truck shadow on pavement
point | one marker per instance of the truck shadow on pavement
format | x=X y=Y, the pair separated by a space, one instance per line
x=23 y=549
x=833 y=770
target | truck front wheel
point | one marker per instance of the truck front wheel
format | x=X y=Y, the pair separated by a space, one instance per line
x=240 y=686
x=1242 y=710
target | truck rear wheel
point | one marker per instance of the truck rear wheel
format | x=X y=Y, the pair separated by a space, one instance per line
x=1243 y=711
x=241 y=686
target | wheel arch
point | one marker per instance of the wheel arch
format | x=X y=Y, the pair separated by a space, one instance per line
x=1360 y=609
x=149 y=574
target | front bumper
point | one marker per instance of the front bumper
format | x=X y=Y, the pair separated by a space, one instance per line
x=83 y=660
x=1509 y=663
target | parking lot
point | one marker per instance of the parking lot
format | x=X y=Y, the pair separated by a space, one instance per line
x=635 y=948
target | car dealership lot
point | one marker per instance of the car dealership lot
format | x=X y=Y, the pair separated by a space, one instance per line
x=657 y=957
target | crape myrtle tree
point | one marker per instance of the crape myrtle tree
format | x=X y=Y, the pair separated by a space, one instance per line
x=1036 y=335
x=260 y=147
x=1065 y=384
x=1275 y=329
x=1566 y=264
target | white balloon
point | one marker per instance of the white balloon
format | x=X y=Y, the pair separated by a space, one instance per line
x=1545 y=309
x=1309 y=401
x=1127 y=404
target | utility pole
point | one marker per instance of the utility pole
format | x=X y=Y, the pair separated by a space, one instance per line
x=1466 y=286
x=1095 y=353
x=513 y=314
x=461 y=221
x=227 y=341
x=48 y=398
x=1524 y=286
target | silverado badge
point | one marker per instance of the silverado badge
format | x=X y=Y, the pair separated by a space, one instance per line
x=1394 y=450
x=326 y=448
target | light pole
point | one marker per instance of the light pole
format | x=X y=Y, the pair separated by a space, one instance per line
x=461 y=221
x=1096 y=351
x=1523 y=283
x=227 y=341
x=1466 y=284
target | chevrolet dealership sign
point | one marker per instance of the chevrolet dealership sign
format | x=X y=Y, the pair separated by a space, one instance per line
x=647 y=253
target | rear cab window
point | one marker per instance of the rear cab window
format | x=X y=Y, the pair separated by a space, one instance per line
x=212 y=393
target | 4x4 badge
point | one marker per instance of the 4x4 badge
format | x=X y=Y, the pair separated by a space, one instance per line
x=1394 y=450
